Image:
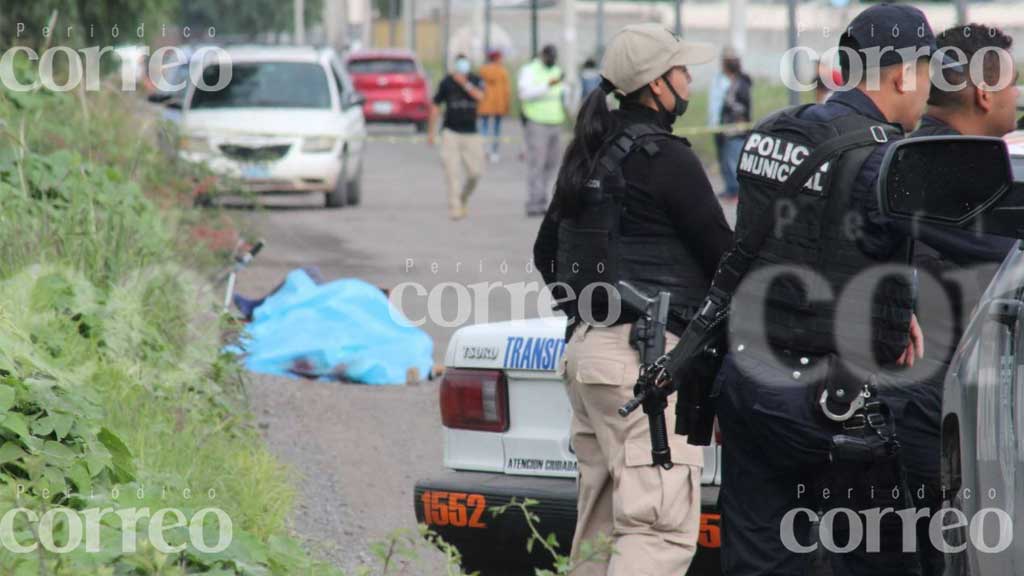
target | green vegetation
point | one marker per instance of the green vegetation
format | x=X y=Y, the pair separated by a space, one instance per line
x=402 y=549
x=92 y=21
x=599 y=550
x=401 y=553
x=113 y=391
x=248 y=18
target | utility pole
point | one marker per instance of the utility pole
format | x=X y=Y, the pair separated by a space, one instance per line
x=679 y=16
x=409 y=14
x=446 y=25
x=487 y=27
x=570 y=59
x=364 y=15
x=738 y=26
x=794 y=96
x=299 y=14
x=533 y=29
x=335 y=24
x=961 y=11
x=392 y=23
x=477 y=42
x=599 y=34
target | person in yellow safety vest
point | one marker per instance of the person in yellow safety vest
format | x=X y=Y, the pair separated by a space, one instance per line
x=541 y=87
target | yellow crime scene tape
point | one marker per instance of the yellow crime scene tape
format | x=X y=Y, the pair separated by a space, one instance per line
x=684 y=131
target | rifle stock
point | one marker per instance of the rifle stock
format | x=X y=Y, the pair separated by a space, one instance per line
x=648 y=337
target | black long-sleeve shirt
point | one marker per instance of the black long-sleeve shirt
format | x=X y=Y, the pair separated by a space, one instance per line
x=944 y=307
x=737 y=107
x=672 y=185
x=941 y=251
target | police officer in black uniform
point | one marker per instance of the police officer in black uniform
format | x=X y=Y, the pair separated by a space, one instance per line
x=632 y=203
x=954 y=266
x=823 y=317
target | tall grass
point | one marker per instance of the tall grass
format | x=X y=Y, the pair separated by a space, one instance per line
x=111 y=378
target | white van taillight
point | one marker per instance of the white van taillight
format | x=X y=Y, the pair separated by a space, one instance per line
x=474 y=400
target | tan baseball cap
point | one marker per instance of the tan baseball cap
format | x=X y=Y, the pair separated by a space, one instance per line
x=640 y=53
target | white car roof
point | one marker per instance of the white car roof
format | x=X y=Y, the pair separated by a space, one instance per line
x=256 y=53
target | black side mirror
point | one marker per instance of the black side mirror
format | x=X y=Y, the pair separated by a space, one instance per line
x=354 y=99
x=158 y=97
x=955 y=181
x=943 y=179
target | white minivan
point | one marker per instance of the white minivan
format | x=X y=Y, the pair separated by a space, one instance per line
x=287 y=121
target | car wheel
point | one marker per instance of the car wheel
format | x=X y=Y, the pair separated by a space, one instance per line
x=338 y=197
x=421 y=127
x=355 y=187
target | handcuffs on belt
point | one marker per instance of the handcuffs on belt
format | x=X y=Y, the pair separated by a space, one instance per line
x=868 y=431
x=858 y=403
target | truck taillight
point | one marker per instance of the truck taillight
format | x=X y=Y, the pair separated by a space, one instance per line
x=718 y=432
x=474 y=400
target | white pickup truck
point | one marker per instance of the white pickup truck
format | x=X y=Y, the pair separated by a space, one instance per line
x=506 y=434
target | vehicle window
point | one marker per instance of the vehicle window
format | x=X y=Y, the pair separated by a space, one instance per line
x=266 y=85
x=1018 y=168
x=1009 y=280
x=382 y=66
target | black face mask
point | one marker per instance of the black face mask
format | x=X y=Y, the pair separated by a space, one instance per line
x=679 y=108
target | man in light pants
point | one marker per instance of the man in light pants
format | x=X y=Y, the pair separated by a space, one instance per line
x=461 y=145
x=541 y=88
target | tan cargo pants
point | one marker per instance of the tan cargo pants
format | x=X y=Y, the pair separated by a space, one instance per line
x=461 y=153
x=652 y=515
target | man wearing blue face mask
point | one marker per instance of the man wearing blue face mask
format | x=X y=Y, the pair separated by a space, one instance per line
x=461 y=145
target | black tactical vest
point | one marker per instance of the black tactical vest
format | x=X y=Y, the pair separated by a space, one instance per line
x=817 y=231
x=593 y=254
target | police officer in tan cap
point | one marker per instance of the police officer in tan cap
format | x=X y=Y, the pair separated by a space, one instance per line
x=632 y=203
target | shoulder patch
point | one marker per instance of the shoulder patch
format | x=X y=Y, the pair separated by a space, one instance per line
x=770 y=158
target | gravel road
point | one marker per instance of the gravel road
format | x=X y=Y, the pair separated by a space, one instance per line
x=357 y=451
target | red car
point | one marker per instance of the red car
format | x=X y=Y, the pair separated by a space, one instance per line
x=394 y=85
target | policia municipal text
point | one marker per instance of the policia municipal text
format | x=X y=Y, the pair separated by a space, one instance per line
x=802 y=390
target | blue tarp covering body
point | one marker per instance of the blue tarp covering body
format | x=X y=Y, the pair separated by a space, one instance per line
x=340 y=329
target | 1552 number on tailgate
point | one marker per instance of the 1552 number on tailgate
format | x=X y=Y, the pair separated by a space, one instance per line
x=456 y=509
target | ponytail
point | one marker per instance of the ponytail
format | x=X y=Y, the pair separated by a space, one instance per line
x=595 y=123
